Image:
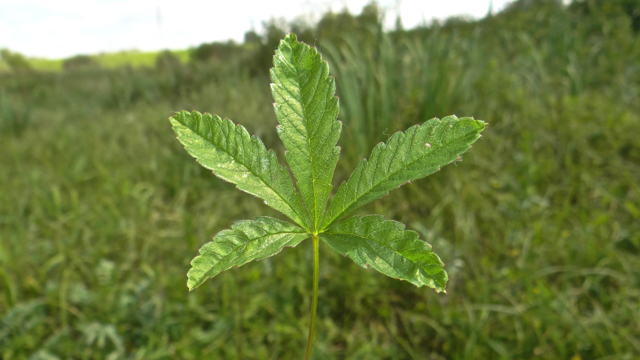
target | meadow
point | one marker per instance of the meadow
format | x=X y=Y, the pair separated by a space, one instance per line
x=101 y=209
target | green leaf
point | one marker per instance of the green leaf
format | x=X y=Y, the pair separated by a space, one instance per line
x=247 y=240
x=236 y=157
x=307 y=110
x=386 y=246
x=418 y=152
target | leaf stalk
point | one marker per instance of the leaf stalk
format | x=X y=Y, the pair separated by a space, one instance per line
x=314 y=304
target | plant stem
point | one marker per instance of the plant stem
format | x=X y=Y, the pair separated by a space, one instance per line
x=314 y=305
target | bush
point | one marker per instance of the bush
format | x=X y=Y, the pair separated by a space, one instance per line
x=216 y=50
x=167 y=60
x=80 y=62
x=17 y=62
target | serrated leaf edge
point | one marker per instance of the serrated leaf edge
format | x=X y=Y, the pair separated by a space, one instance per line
x=318 y=213
x=253 y=138
x=381 y=219
x=380 y=147
x=234 y=227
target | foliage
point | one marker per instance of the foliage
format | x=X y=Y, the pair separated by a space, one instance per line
x=79 y=62
x=307 y=109
x=167 y=60
x=16 y=116
x=331 y=27
x=16 y=61
x=214 y=51
x=610 y=10
x=539 y=227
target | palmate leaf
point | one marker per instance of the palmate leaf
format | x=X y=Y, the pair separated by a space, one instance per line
x=307 y=109
x=414 y=154
x=236 y=157
x=386 y=246
x=247 y=240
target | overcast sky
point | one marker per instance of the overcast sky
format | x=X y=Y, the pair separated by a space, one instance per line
x=62 y=28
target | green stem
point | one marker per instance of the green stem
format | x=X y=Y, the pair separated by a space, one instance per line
x=314 y=305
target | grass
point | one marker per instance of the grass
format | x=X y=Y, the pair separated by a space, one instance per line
x=134 y=58
x=42 y=64
x=101 y=210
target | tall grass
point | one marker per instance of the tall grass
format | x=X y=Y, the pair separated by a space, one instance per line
x=101 y=210
x=532 y=211
x=135 y=59
x=15 y=113
x=396 y=84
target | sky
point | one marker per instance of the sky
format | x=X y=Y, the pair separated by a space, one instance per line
x=62 y=28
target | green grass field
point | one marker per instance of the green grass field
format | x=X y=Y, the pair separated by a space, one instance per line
x=101 y=209
x=134 y=59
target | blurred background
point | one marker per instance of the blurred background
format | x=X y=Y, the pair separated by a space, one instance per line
x=101 y=209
